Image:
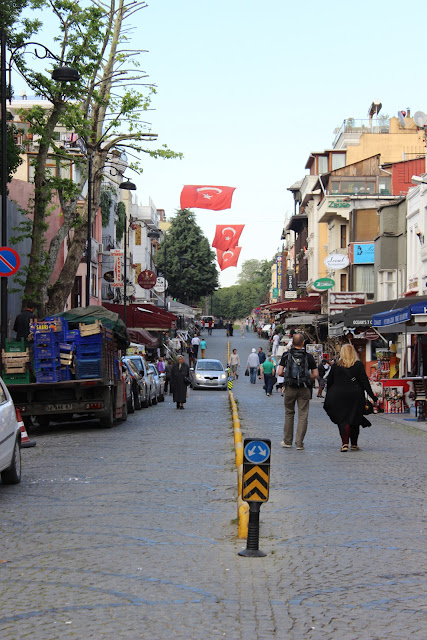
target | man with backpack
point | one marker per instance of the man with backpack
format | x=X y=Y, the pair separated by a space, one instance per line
x=299 y=371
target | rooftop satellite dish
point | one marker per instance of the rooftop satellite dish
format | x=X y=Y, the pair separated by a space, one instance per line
x=401 y=119
x=420 y=119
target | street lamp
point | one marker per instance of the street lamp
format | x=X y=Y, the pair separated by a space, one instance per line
x=61 y=74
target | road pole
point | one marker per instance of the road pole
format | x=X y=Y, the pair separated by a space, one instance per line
x=3 y=295
x=89 y=229
x=125 y=270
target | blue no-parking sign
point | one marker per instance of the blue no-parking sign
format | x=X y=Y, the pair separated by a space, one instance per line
x=9 y=261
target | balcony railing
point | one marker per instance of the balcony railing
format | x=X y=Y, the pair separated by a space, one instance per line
x=362 y=126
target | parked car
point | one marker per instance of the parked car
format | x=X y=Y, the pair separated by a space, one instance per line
x=10 y=439
x=160 y=382
x=138 y=386
x=147 y=374
x=208 y=374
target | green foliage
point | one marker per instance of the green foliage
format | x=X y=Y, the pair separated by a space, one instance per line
x=190 y=262
x=105 y=203
x=13 y=153
x=121 y=222
x=239 y=300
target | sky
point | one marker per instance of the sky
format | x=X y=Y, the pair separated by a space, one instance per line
x=247 y=89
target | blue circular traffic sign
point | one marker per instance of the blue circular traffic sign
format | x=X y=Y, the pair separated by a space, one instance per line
x=9 y=261
x=257 y=451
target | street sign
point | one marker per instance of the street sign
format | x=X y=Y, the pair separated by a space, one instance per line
x=161 y=285
x=147 y=279
x=275 y=292
x=256 y=470
x=9 y=261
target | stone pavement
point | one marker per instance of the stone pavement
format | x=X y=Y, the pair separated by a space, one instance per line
x=130 y=533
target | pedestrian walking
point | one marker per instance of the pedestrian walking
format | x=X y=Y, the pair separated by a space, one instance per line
x=323 y=369
x=299 y=371
x=195 y=343
x=203 y=346
x=268 y=369
x=230 y=328
x=191 y=356
x=160 y=366
x=345 y=396
x=262 y=358
x=23 y=320
x=168 y=369
x=180 y=379
x=234 y=364
x=276 y=342
x=247 y=324
x=210 y=327
x=252 y=365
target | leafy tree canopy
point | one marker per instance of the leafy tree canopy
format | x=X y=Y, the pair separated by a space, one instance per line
x=190 y=262
x=252 y=290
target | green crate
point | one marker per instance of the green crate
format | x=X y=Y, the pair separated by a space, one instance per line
x=15 y=346
x=17 y=378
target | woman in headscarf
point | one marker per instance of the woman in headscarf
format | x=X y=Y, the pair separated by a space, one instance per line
x=345 y=396
x=179 y=377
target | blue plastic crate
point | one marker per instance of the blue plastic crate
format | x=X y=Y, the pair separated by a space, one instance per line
x=48 y=364
x=45 y=351
x=48 y=376
x=65 y=373
x=66 y=348
x=97 y=338
x=90 y=351
x=90 y=368
x=48 y=338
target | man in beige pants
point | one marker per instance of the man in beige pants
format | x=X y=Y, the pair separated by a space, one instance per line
x=299 y=370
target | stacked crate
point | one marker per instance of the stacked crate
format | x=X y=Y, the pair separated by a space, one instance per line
x=48 y=335
x=16 y=362
x=92 y=345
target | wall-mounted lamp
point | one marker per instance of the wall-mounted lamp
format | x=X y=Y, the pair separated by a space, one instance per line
x=420 y=236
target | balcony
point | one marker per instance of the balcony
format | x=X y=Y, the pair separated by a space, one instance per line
x=350 y=131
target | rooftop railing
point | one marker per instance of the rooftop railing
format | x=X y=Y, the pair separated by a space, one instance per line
x=351 y=125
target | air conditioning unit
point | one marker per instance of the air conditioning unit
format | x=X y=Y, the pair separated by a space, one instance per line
x=101 y=247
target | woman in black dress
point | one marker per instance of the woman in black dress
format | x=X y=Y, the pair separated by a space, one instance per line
x=345 y=396
x=179 y=375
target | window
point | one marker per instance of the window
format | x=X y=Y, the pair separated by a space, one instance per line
x=3 y=397
x=343 y=282
x=93 y=281
x=364 y=278
x=338 y=160
x=386 y=285
x=322 y=164
x=343 y=236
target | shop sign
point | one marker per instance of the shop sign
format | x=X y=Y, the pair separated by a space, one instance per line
x=290 y=281
x=117 y=255
x=290 y=295
x=322 y=284
x=370 y=334
x=338 y=204
x=340 y=301
x=362 y=252
x=279 y=266
x=337 y=261
x=275 y=292
x=147 y=279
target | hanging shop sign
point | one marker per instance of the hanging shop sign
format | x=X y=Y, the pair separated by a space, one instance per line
x=147 y=279
x=322 y=284
x=161 y=285
x=340 y=301
x=336 y=261
x=279 y=266
x=370 y=334
x=362 y=253
x=117 y=255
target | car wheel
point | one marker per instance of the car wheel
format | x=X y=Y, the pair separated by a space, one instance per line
x=108 y=420
x=155 y=398
x=124 y=412
x=13 y=474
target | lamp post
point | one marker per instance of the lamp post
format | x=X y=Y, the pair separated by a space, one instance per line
x=126 y=186
x=60 y=74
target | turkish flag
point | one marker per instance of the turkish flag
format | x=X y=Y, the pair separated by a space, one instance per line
x=228 y=258
x=227 y=236
x=204 y=197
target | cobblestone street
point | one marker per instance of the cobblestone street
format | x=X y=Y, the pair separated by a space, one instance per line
x=130 y=533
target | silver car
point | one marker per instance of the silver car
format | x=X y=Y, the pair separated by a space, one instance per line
x=160 y=382
x=10 y=439
x=208 y=374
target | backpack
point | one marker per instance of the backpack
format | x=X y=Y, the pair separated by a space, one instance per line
x=297 y=373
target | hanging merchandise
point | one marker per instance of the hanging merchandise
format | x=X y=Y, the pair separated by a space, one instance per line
x=205 y=197
x=227 y=236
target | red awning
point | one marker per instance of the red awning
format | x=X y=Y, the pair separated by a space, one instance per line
x=141 y=336
x=145 y=318
x=309 y=303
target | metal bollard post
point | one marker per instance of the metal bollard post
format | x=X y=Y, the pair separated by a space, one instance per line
x=252 y=545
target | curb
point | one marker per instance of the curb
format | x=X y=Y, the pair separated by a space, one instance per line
x=242 y=507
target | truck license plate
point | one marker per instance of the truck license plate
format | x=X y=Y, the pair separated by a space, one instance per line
x=58 y=407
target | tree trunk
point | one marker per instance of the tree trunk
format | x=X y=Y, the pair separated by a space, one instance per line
x=59 y=292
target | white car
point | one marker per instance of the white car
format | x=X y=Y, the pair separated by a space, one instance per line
x=10 y=439
x=209 y=374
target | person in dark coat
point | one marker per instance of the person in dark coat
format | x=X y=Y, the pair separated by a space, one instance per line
x=180 y=372
x=22 y=321
x=345 y=396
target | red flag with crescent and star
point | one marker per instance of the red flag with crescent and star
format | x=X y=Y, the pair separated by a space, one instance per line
x=227 y=236
x=228 y=258
x=206 y=197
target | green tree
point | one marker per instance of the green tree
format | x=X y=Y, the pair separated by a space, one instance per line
x=252 y=290
x=190 y=262
x=104 y=108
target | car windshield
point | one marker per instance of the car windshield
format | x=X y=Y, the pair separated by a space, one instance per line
x=138 y=364
x=213 y=365
x=152 y=368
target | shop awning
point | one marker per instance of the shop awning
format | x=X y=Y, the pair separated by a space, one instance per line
x=141 y=336
x=416 y=310
x=362 y=315
x=139 y=317
x=305 y=319
x=309 y=303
